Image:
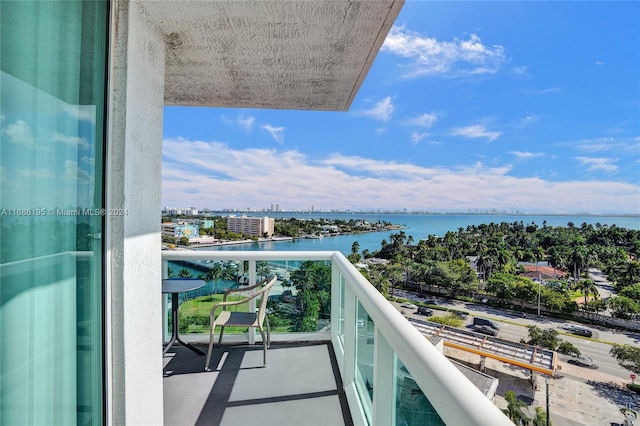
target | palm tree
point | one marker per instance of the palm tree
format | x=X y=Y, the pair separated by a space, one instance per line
x=541 y=418
x=632 y=272
x=538 y=254
x=577 y=259
x=588 y=287
x=354 y=257
x=213 y=275
x=355 y=247
x=485 y=265
x=513 y=406
x=185 y=273
x=263 y=268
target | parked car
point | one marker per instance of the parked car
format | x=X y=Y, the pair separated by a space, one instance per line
x=583 y=361
x=424 y=311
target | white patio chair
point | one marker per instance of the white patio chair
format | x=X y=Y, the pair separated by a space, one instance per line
x=243 y=319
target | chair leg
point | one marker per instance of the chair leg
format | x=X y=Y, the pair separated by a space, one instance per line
x=206 y=365
x=221 y=333
x=268 y=332
x=264 y=348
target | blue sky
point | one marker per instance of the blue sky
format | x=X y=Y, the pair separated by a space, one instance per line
x=517 y=106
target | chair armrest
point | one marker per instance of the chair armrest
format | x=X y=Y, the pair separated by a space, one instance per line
x=238 y=290
x=225 y=304
x=232 y=290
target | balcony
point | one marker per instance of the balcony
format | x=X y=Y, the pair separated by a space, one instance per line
x=362 y=363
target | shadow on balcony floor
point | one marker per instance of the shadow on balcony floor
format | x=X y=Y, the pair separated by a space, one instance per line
x=301 y=385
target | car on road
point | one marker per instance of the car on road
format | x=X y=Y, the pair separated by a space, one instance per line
x=583 y=361
x=408 y=305
x=486 y=326
x=424 y=311
x=579 y=331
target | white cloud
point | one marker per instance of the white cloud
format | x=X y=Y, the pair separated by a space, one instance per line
x=521 y=71
x=381 y=111
x=26 y=173
x=70 y=140
x=476 y=131
x=529 y=119
x=599 y=63
x=526 y=155
x=450 y=58
x=548 y=91
x=72 y=173
x=425 y=120
x=629 y=146
x=275 y=132
x=88 y=160
x=246 y=122
x=598 y=163
x=20 y=134
x=418 y=137
x=81 y=112
x=213 y=175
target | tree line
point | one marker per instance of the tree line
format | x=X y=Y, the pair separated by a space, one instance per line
x=488 y=259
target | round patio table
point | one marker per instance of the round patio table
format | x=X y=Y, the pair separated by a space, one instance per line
x=175 y=286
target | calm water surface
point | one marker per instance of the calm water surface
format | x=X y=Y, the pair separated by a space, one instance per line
x=419 y=226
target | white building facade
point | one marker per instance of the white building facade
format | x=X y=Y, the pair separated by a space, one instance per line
x=252 y=226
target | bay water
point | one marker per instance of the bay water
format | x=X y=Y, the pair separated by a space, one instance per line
x=419 y=226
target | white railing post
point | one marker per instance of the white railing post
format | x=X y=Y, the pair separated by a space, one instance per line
x=165 y=303
x=252 y=302
x=384 y=386
x=336 y=315
x=350 y=321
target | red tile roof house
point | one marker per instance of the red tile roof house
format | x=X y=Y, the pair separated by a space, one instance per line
x=543 y=272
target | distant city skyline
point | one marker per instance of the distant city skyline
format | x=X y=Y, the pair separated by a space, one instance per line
x=529 y=107
x=193 y=211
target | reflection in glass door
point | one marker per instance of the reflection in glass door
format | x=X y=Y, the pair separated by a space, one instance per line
x=52 y=96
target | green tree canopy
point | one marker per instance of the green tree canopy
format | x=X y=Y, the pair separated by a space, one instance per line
x=545 y=338
x=185 y=273
x=513 y=406
x=623 y=307
x=627 y=356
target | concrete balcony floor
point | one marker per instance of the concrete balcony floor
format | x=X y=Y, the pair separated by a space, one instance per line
x=301 y=385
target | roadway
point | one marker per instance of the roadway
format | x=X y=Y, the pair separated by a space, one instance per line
x=513 y=327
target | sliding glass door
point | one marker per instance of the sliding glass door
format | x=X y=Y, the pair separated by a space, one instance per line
x=52 y=118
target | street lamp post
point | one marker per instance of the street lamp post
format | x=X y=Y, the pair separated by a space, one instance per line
x=539 y=287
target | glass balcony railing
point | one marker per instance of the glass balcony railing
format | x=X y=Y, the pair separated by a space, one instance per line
x=391 y=374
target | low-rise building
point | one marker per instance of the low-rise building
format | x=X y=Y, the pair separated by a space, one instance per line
x=180 y=229
x=252 y=226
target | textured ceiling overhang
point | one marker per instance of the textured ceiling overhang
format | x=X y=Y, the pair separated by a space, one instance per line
x=270 y=54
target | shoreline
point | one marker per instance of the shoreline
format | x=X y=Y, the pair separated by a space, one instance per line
x=165 y=246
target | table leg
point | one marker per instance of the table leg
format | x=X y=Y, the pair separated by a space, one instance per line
x=175 y=337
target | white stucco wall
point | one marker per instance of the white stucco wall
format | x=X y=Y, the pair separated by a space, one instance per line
x=134 y=322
